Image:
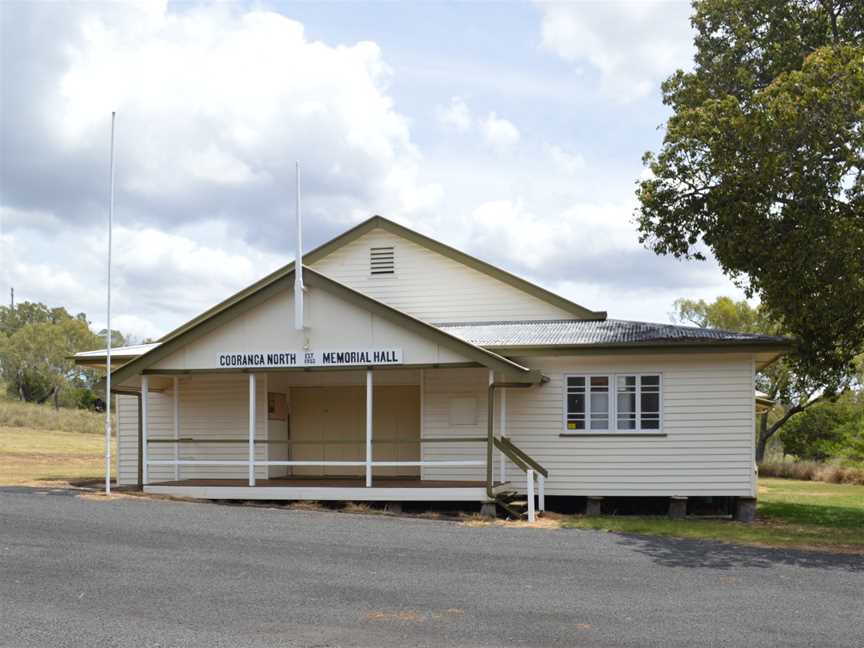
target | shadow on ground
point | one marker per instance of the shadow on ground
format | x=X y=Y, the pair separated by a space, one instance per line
x=706 y=554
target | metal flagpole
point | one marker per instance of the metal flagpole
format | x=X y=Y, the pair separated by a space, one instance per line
x=298 y=263
x=108 y=327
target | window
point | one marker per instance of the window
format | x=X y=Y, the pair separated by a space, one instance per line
x=592 y=405
x=638 y=402
x=382 y=261
x=588 y=403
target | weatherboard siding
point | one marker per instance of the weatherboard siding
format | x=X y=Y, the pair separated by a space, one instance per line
x=431 y=286
x=212 y=407
x=707 y=414
x=331 y=324
x=127 y=439
x=707 y=410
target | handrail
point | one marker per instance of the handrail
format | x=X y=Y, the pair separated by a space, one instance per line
x=278 y=442
x=525 y=457
x=322 y=442
x=508 y=452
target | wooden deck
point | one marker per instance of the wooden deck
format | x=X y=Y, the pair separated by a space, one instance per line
x=404 y=489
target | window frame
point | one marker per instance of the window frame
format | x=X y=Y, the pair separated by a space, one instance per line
x=613 y=429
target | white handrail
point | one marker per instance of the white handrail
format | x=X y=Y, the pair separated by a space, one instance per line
x=245 y=462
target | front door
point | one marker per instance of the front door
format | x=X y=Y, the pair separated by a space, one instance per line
x=330 y=423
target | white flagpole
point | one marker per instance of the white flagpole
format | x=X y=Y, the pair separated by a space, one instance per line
x=298 y=264
x=108 y=327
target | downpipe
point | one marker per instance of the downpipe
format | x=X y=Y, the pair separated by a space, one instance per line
x=490 y=428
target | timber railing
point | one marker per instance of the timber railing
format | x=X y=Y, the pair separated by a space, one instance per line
x=532 y=469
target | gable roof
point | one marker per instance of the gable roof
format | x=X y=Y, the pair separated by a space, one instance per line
x=203 y=325
x=579 y=312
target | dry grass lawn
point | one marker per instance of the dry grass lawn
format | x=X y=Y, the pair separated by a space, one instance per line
x=34 y=456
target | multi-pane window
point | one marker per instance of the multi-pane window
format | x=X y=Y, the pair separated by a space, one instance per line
x=631 y=401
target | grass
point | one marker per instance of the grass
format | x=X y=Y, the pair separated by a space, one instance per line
x=796 y=514
x=39 y=444
x=29 y=456
x=16 y=414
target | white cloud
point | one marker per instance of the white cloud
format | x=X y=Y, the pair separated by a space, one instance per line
x=633 y=45
x=568 y=163
x=210 y=99
x=500 y=134
x=159 y=279
x=455 y=115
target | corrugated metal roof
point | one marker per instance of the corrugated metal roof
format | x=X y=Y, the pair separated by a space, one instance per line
x=124 y=351
x=574 y=332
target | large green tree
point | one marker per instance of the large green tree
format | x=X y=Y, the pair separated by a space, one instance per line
x=36 y=345
x=761 y=164
x=785 y=381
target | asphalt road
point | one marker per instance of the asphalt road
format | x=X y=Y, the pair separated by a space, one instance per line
x=142 y=573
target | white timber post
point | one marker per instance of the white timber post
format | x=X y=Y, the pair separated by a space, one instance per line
x=491 y=410
x=502 y=429
x=176 y=427
x=267 y=421
x=145 y=406
x=368 y=428
x=251 y=429
x=529 y=491
x=422 y=418
x=541 y=492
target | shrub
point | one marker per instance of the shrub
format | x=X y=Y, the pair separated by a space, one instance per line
x=813 y=471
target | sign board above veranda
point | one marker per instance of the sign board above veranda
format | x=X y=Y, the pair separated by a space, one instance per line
x=323 y=358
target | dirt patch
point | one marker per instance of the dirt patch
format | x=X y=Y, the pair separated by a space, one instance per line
x=545 y=520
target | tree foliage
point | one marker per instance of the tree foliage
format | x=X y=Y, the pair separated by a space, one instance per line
x=827 y=431
x=36 y=345
x=762 y=164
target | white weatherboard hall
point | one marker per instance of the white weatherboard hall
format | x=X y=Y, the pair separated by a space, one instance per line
x=422 y=373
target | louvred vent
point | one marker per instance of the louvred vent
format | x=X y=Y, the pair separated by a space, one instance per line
x=382 y=260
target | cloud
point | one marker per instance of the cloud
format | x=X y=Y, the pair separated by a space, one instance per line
x=632 y=45
x=499 y=134
x=455 y=115
x=568 y=163
x=214 y=103
x=159 y=278
x=586 y=244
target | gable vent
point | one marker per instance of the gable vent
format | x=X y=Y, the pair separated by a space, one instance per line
x=382 y=260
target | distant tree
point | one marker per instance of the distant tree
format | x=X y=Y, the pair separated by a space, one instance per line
x=36 y=348
x=785 y=381
x=824 y=431
x=762 y=162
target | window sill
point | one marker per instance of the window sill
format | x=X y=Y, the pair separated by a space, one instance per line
x=571 y=435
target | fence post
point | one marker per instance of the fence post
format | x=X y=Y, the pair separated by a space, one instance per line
x=529 y=489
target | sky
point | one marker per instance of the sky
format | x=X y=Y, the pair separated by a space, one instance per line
x=513 y=131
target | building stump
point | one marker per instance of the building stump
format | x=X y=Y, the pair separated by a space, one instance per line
x=488 y=510
x=594 y=506
x=677 y=508
x=745 y=509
